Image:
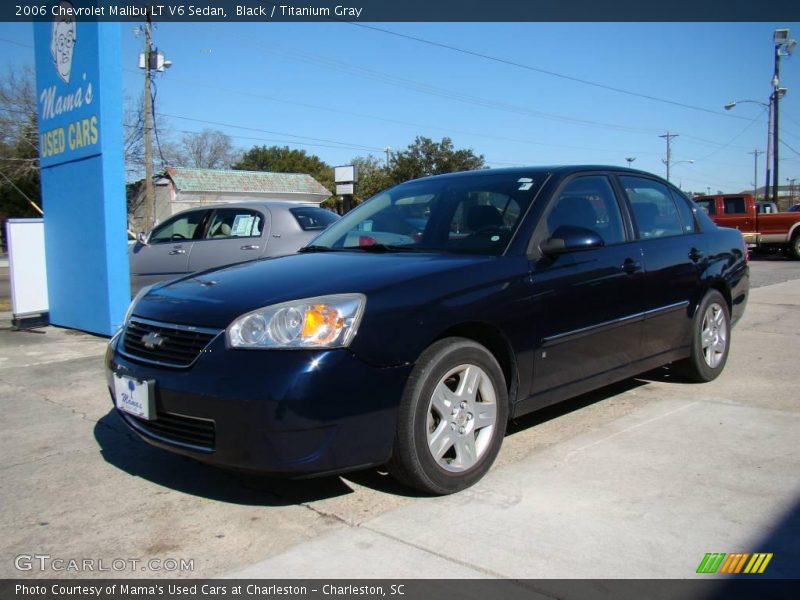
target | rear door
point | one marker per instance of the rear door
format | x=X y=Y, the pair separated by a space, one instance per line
x=675 y=254
x=588 y=304
x=233 y=235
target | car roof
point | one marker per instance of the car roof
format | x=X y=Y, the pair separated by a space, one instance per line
x=541 y=170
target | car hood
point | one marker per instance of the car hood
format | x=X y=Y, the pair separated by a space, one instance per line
x=215 y=298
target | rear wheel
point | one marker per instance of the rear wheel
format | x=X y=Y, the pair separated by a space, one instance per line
x=710 y=340
x=794 y=246
x=452 y=418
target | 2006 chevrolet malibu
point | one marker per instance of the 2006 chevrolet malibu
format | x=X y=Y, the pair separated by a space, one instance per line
x=414 y=328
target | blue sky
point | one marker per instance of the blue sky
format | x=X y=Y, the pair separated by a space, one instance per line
x=339 y=90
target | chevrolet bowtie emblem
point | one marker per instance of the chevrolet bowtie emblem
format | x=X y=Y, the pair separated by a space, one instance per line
x=153 y=340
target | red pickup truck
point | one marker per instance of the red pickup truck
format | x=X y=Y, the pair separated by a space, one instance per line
x=761 y=231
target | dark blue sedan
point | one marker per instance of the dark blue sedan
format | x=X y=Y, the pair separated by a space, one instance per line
x=413 y=329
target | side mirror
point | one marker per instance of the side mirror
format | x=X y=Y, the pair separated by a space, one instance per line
x=568 y=238
x=141 y=237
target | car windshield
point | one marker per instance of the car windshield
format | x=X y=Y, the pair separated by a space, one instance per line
x=470 y=214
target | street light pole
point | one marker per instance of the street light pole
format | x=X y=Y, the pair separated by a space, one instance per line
x=770 y=131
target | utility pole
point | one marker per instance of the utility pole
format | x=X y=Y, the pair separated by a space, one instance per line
x=755 y=154
x=668 y=160
x=388 y=151
x=149 y=195
x=776 y=81
x=783 y=47
x=770 y=144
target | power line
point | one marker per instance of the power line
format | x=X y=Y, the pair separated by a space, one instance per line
x=24 y=195
x=233 y=126
x=789 y=147
x=14 y=42
x=424 y=88
x=234 y=92
x=520 y=65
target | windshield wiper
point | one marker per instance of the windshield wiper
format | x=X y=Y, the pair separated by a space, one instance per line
x=316 y=248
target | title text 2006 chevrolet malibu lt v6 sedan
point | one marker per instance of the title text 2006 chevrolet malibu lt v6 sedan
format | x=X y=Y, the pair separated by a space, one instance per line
x=411 y=330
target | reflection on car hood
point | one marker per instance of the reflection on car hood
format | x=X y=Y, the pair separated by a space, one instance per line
x=214 y=298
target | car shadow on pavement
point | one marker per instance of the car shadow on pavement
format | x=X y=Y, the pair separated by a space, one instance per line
x=122 y=449
x=567 y=406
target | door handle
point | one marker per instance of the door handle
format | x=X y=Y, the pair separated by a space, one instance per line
x=177 y=251
x=695 y=254
x=250 y=247
x=631 y=266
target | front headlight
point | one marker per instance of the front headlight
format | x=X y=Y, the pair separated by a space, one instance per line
x=321 y=322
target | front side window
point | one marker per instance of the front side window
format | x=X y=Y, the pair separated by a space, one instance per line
x=235 y=223
x=589 y=203
x=654 y=210
x=470 y=214
x=178 y=228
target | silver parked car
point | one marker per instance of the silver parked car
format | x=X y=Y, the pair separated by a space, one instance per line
x=223 y=234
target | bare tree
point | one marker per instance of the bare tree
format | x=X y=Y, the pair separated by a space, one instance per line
x=19 y=137
x=207 y=149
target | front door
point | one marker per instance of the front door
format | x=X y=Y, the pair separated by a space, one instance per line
x=588 y=303
x=168 y=248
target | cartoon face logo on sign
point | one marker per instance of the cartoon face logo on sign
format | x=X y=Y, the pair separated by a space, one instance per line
x=62 y=39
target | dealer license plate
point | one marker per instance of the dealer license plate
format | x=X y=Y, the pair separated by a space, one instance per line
x=134 y=397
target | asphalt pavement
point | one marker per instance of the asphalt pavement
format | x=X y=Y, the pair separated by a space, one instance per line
x=637 y=480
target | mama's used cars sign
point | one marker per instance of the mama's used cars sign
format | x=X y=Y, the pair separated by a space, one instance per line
x=79 y=101
x=68 y=96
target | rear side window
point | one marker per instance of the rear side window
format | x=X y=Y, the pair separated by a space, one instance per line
x=653 y=208
x=235 y=223
x=734 y=205
x=686 y=212
x=311 y=218
x=708 y=205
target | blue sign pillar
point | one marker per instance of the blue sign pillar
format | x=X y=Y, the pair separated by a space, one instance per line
x=79 y=96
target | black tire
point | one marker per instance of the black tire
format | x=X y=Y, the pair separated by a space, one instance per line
x=451 y=362
x=794 y=247
x=705 y=364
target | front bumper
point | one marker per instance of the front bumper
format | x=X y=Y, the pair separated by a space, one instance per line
x=282 y=412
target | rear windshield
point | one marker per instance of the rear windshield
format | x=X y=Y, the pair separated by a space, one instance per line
x=311 y=218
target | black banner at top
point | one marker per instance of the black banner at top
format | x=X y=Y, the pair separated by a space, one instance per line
x=399 y=10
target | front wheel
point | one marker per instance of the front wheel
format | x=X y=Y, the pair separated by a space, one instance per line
x=452 y=418
x=711 y=332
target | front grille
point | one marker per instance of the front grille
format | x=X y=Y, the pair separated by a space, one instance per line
x=180 y=345
x=177 y=429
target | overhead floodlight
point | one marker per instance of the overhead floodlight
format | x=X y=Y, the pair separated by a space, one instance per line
x=780 y=36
